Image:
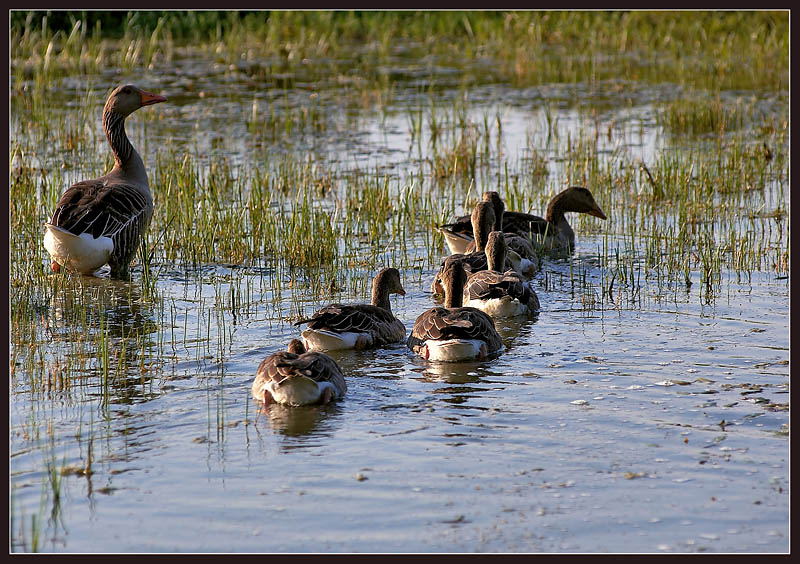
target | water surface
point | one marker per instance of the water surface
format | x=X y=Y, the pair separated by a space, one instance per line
x=654 y=421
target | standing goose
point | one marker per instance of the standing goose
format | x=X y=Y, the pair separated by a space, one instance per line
x=498 y=294
x=482 y=219
x=296 y=377
x=452 y=332
x=102 y=220
x=552 y=232
x=358 y=326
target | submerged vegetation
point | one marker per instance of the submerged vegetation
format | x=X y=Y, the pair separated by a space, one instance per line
x=302 y=151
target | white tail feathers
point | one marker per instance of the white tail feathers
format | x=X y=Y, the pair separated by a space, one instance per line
x=296 y=390
x=499 y=307
x=321 y=340
x=454 y=350
x=83 y=253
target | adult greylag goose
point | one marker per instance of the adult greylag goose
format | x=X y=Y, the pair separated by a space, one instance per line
x=453 y=332
x=297 y=377
x=481 y=221
x=102 y=220
x=552 y=232
x=499 y=294
x=358 y=326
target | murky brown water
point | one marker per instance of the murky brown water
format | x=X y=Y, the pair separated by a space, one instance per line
x=653 y=427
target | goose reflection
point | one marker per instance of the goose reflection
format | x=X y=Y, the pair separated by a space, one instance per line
x=300 y=424
x=110 y=333
x=84 y=300
x=451 y=372
x=514 y=330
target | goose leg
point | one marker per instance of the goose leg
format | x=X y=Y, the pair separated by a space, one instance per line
x=120 y=271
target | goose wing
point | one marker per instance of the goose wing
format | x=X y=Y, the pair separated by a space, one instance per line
x=520 y=245
x=516 y=243
x=472 y=262
x=315 y=365
x=281 y=365
x=526 y=224
x=99 y=208
x=461 y=226
x=487 y=284
x=358 y=318
x=439 y=323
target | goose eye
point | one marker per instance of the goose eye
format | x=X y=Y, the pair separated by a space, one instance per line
x=127 y=91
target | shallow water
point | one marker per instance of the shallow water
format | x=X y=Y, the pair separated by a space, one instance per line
x=660 y=425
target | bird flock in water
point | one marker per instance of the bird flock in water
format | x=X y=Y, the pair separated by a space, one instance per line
x=494 y=256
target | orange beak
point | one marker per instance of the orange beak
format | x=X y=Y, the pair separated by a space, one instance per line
x=149 y=98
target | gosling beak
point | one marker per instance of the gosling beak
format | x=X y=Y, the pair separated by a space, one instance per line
x=149 y=98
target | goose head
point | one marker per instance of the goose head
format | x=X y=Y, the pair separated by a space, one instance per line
x=498 y=206
x=386 y=282
x=578 y=199
x=126 y=99
x=389 y=279
x=296 y=346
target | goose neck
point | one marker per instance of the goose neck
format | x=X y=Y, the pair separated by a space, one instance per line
x=380 y=296
x=556 y=209
x=495 y=255
x=126 y=159
x=482 y=223
x=453 y=294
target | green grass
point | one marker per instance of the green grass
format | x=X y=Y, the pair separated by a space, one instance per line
x=529 y=47
x=695 y=115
